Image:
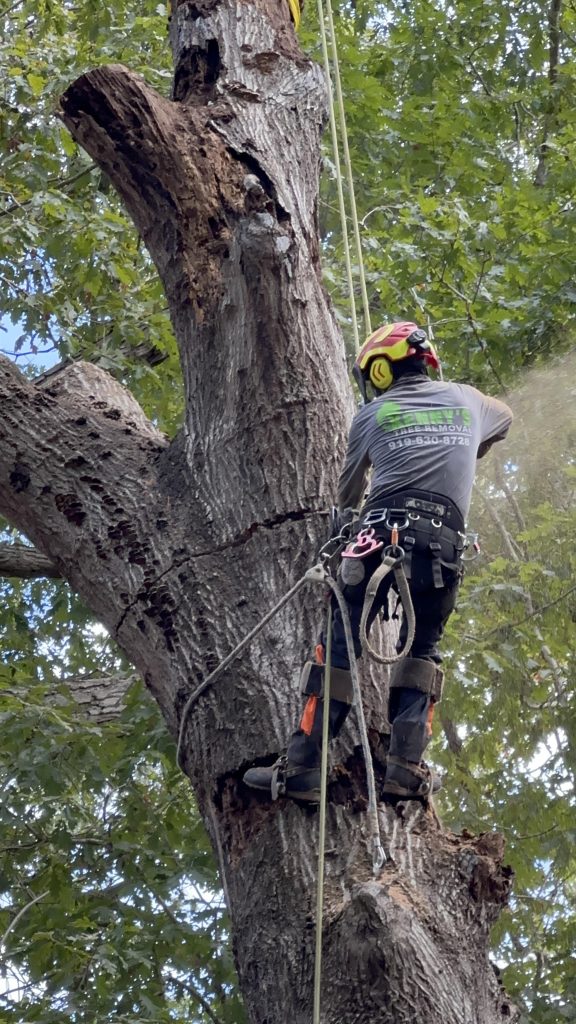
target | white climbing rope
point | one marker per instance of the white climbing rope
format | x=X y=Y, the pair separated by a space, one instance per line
x=377 y=850
x=322 y=821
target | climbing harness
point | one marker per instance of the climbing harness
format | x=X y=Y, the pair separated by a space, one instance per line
x=365 y=543
x=391 y=562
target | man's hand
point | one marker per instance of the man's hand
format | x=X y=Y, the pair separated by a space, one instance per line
x=485 y=446
x=341 y=519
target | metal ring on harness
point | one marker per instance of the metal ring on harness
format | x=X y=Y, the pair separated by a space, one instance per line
x=396 y=525
x=394 y=551
x=470 y=540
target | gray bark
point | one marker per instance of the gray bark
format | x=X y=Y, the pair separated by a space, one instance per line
x=98 y=700
x=181 y=547
x=20 y=561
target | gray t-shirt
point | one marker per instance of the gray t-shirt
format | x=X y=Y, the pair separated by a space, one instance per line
x=422 y=434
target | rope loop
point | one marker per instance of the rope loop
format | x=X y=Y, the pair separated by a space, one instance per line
x=391 y=562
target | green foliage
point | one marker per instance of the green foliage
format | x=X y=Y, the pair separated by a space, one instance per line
x=109 y=897
x=510 y=707
x=75 y=277
x=447 y=110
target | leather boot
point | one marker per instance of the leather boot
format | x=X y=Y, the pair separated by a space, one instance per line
x=406 y=780
x=285 y=778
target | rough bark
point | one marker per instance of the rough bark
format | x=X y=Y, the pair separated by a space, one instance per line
x=20 y=561
x=99 y=700
x=180 y=548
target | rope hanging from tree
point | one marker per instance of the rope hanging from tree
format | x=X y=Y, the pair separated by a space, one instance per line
x=322 y=822
x=322 y=6
x=339 y=177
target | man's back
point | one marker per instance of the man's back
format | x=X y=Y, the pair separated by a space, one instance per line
x=421 y=434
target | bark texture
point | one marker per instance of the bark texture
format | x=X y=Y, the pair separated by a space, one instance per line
x=181 y=547
x=99 y=700
x=23 y=562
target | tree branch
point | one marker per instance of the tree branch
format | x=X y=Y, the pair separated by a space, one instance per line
x=186 y=985
x=553 y=102
x=19 y=561
x=101 y=700
x=511 y=624
x=15 y=920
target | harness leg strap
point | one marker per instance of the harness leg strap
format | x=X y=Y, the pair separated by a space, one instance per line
x=415 y=688
x=312 y=682
x=418 y=674
x=305 y=745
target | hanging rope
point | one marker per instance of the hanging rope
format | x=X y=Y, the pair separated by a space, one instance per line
x=378 y=855
x=347 y=159
x=322 y=822
x=339 y=178
x=228 y=661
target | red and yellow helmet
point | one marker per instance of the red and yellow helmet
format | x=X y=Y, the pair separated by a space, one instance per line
x=390 y=344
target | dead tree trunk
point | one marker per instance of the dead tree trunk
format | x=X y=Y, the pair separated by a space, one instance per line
x=181 y=547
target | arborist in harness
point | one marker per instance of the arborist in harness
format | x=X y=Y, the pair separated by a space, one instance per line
x=421 y=438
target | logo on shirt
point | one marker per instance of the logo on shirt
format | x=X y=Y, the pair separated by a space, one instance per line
x=391 y=416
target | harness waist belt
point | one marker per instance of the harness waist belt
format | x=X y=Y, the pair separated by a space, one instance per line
x=406 y=519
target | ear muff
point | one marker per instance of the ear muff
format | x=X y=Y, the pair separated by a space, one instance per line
x=380 y=373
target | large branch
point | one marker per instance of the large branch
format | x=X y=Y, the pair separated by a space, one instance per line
x=100 y=700
x=23 y=562
x=78 y=465
x=230 y=221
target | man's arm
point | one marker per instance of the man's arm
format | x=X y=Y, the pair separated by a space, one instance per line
x=496 y=420
x=352 y=482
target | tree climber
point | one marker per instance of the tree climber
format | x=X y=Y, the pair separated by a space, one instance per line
x=421 y=438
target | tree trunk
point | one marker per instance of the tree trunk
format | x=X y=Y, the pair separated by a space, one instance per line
x=180 y=548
